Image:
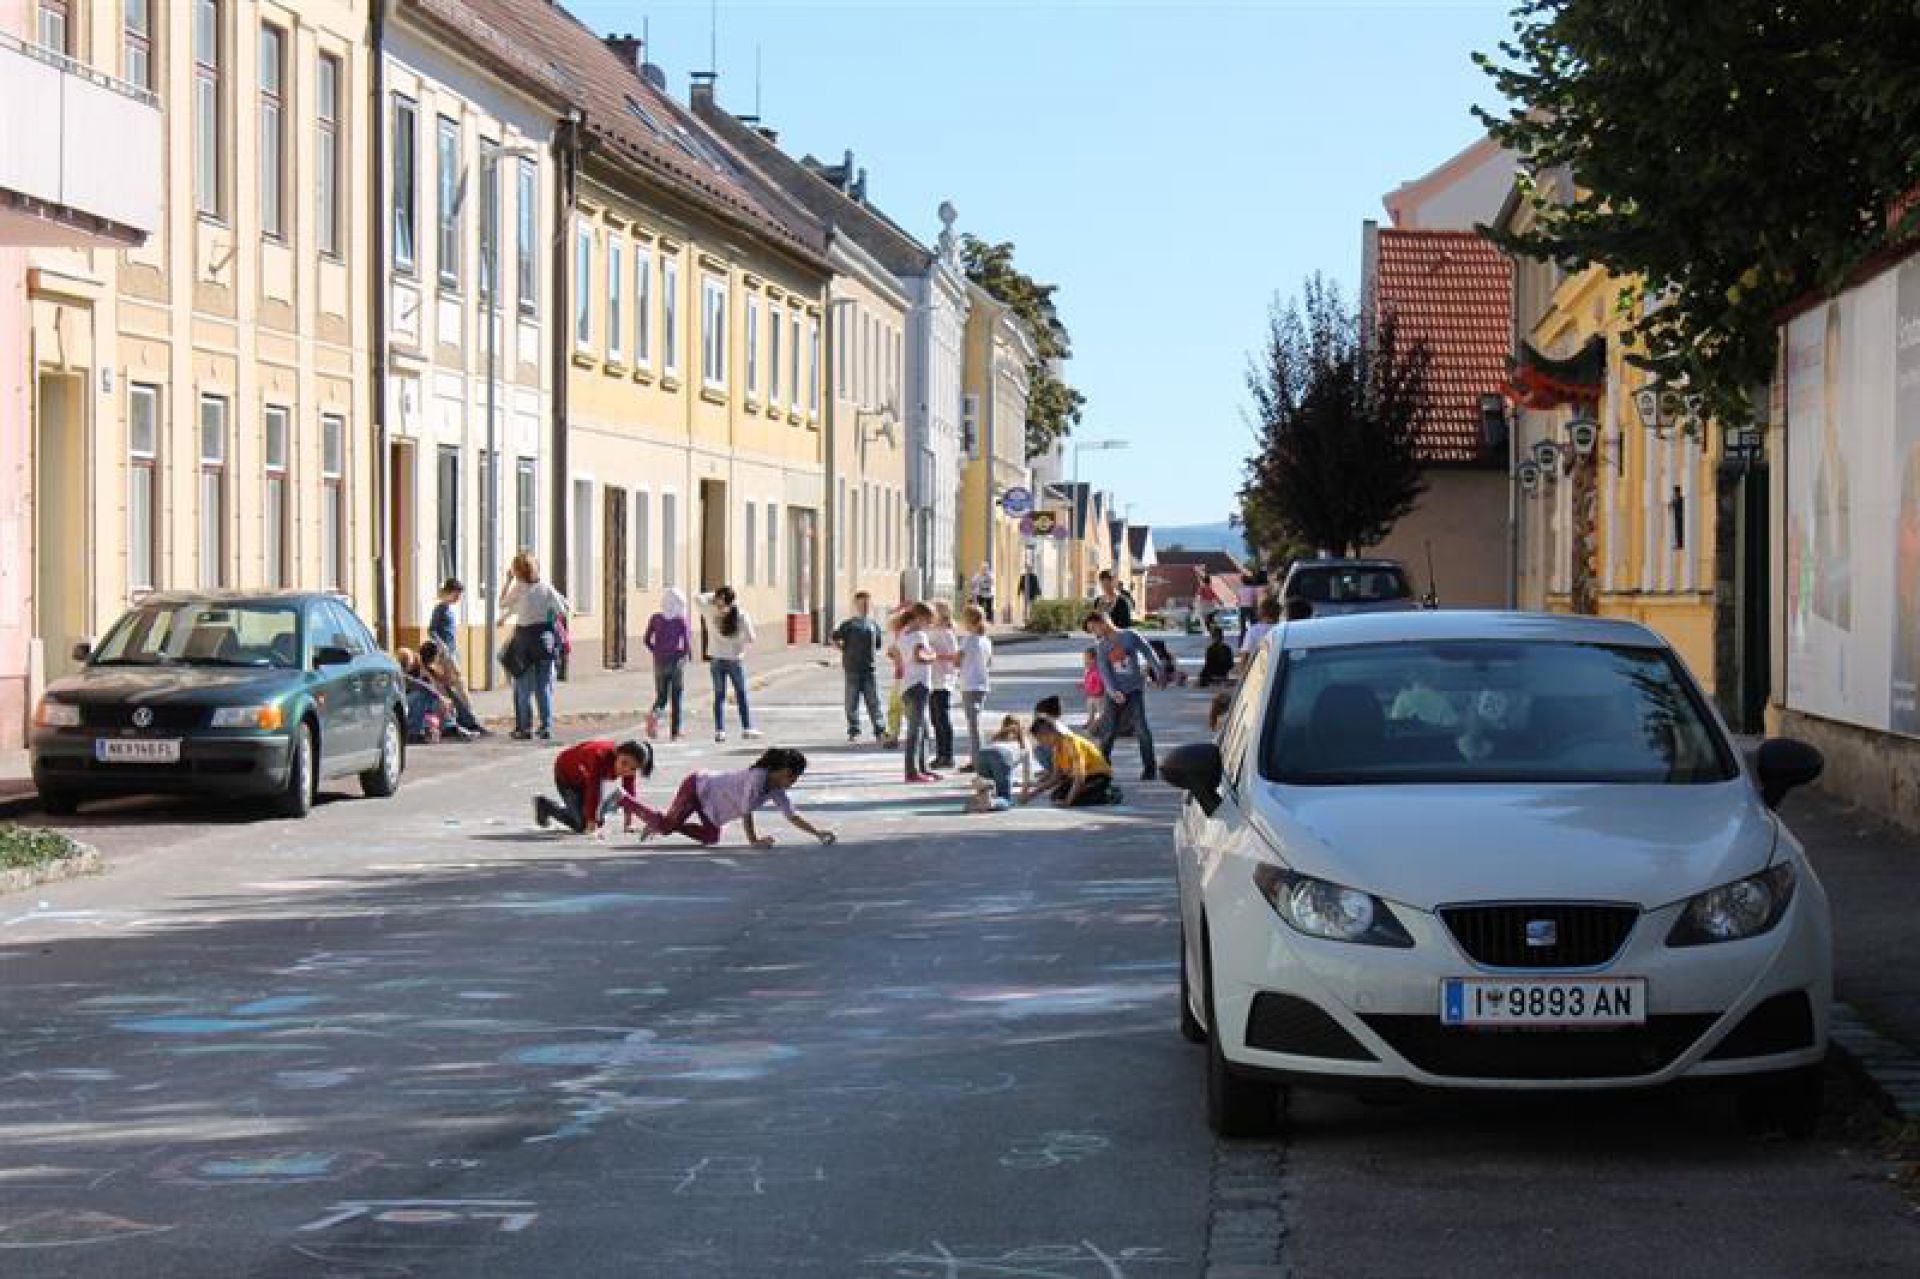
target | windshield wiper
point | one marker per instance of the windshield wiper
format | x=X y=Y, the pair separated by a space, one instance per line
x=130 y=661
x=224 y=661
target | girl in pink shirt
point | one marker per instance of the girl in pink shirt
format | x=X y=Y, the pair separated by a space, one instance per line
x=1095 y=690
x=707 y=803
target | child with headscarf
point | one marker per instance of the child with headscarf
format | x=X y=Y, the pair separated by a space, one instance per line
x=670 y=642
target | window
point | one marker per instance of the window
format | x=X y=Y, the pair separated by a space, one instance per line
x=326 y=192
x=753 y=346
x=143 y=488
x=449 y=221
x=582 y=286
x=713 y=331
x=53 y=25
x=489 y=223
x=642 y=537
x=774 y=326
x=526 y=215
x=670 y=318
x=843 y=387
x=213 y=492
x=773 y=543
x=813 y=366
x=333 y=500
x=273 y=140
x=209 y=185
x=526 y=528
x=583 y=573
x=406 y=183
x=669 y=539
x=969 y=424
x=276 y=515
x=853 y=543
x=447 y=512
x=793 y=384
x=615 y=282
x=840 y=532
x=136 y=42
x=749 y=543
x=642 y=307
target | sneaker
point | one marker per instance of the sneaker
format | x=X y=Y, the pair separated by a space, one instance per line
x=540 y=817
x=853 y=737
x=999 y=805
x=653 y=725
x=521 y=735
x=720 y=736
x=945 y=761
x=919 y=778
x=751 y=734
x=546 y=734
x=1149 y=774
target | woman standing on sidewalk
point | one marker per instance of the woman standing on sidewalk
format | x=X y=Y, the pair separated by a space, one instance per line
x=671 y=644
x=535 y=611
x=729 y=636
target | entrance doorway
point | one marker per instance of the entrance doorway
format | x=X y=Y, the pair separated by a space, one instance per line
x=60 y=521
x=713 y=544
x=402 y=512
x=613 y=581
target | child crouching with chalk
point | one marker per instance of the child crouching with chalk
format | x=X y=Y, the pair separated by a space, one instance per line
x=593 y=778
x=707 y=803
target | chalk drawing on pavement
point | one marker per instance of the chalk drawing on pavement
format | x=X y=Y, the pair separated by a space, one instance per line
x=1054 y=1150
x=273 y=1167
x=1082 y=1260
x=504 y=1216
x=69 y=1228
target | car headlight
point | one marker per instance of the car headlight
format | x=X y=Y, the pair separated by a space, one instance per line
x=268 y=717
x=1321 y=909
x=54 y=714
x=1745 y=908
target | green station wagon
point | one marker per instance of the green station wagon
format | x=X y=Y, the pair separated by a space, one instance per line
x=228 y=695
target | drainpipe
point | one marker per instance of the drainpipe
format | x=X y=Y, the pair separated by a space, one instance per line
x=831 y=559
x=566 y=169
x=384 y=606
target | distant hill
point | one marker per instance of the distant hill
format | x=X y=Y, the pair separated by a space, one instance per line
x=1201 y=537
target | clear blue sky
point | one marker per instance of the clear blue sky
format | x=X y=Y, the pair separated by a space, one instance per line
x=1171 y=166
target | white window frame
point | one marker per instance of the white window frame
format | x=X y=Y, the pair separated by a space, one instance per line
x=272 y=128
x=713 y=332
x=582 y=493
x=449 y=211
x=793 y=385
x=773 y=544
x=753 y=349
x=212 y=479
x=404 y=183
x=642 y=538
x=143 y=469
x=583 y=286
x=813 y=367
x=333 y=501
x=748 y=542
x=670 y=315
x=209 y=129
x=616 y=292
x=669 y=537
x=329 y=98
x=775 y=326
x=276 y=550
x=136 y=42
x=526 y=505
x=526 y=235
x=642 y=306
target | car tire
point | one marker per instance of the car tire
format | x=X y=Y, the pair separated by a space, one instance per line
x=1788 y=1102
x=383 y=779
x=1237 y=1106
x=296 y=797
x=58 y=803
x=1190 y=1028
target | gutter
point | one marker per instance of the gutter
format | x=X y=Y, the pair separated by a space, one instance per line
x=384 y=605
x=566 y=169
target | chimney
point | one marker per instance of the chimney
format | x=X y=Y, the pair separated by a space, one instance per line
x=630 y=49
x=860 y=188
x=701 y=93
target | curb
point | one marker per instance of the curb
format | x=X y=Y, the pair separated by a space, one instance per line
x=1889 y=1067
x=85 y=862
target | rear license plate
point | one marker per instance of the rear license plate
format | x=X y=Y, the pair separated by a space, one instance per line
x=1527 y=1002
x=137 y=750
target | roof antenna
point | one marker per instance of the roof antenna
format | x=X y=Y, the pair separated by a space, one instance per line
x=713 y=39
x=756 y=81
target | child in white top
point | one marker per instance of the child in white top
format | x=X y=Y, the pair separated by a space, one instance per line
x=918 y=661
x=976 y=661
x=1008 y=751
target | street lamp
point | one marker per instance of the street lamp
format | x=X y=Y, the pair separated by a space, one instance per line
x=490 y=159
x=1079 y=524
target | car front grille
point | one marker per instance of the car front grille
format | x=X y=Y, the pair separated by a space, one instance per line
x=1540 y=934
x=1473 y=1053
x=166 y=718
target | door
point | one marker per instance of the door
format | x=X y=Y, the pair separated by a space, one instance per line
x=60 y=530
x=337 y=696
x=1204 y=839
x=713 y=544
x=401 y=514
x=613 y=580
x=800 y=560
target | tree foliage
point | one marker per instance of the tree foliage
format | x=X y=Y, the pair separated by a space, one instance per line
x=1336 y=418
x=1053 y=407
x=1730 y=158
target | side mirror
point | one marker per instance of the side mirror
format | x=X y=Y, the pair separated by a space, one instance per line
x=83 y=651
x=331 y=655
x=1196 y=768
x=1784 y=765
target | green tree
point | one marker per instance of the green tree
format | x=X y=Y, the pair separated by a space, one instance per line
x=1053 y=407
x=1336 y=419
x=1730 y=157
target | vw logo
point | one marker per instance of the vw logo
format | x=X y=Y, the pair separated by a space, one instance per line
x=143 y=717
x=1542 y=933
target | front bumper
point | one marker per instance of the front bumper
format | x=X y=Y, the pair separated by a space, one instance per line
x=1351 y=1015
x=212 y=762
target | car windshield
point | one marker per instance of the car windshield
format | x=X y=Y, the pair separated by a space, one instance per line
x=1489 y=711
x=1350 y=584
x=204 y=634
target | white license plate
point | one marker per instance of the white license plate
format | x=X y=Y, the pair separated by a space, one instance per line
x=137 y=750
x=1533 y=1001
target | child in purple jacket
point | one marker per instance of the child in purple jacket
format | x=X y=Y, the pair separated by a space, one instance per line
x=670 y=643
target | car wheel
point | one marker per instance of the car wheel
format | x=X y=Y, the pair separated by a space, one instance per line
x=56 y=803
x=1190 y=1028
x=1788 y=1102
x=1237 y=1106
x=383 y=779
x=296 y=799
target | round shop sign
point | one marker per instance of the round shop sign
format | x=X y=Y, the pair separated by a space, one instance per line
x=1040 y=524
x=1017 y=501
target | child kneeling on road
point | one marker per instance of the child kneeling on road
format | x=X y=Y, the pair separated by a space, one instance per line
x=593 y=778
x=1006 y=751
x=707 y=803
x=1079 y=775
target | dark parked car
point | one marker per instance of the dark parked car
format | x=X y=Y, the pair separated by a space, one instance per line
x=224 y=694
x=1338 y=587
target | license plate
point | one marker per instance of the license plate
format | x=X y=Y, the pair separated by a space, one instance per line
x=1530 y=1001
x=137 y=750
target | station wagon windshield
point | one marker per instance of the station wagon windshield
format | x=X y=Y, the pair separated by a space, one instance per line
x=1490 y=711
x=204 y=634
x=1371 y=584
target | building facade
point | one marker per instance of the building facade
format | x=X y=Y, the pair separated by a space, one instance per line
x=993 y=432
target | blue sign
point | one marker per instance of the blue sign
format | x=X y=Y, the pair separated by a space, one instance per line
x=1017 y=501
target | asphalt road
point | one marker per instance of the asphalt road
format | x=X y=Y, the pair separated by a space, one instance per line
x=418 y=1037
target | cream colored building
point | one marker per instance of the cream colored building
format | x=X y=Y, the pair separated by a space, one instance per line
x=999 y=352
x=200 y=402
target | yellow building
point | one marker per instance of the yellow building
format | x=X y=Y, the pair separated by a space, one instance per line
x=200 y=402
x=993 y=435
x=1640 y=504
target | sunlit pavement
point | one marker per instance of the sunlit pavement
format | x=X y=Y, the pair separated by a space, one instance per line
x=419 y=1037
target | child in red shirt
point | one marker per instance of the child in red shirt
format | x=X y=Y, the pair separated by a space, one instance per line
x=592 y=777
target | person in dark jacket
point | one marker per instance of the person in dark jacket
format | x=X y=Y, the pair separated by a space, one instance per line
x=1217 y=666
x=443 y=628
x=1114 y=602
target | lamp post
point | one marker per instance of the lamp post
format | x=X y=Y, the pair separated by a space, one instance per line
x=1078 y=524
x=490 y=311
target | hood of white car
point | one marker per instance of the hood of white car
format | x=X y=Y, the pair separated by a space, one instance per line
x=1427 y=846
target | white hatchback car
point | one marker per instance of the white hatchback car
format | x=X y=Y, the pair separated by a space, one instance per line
x=1493 y=851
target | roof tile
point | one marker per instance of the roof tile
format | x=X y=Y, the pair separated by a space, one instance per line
x=1454 y=291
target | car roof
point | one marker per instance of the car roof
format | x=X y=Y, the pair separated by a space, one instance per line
x=176 y=598
x=1299 y=565
x=1463 y=624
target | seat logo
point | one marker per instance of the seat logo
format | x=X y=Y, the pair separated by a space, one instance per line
x=1542 y=933
x=143 y=717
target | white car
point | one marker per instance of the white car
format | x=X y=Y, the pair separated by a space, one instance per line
x=1493 y=851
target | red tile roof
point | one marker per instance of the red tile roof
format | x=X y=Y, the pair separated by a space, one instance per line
x=1454 y=291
